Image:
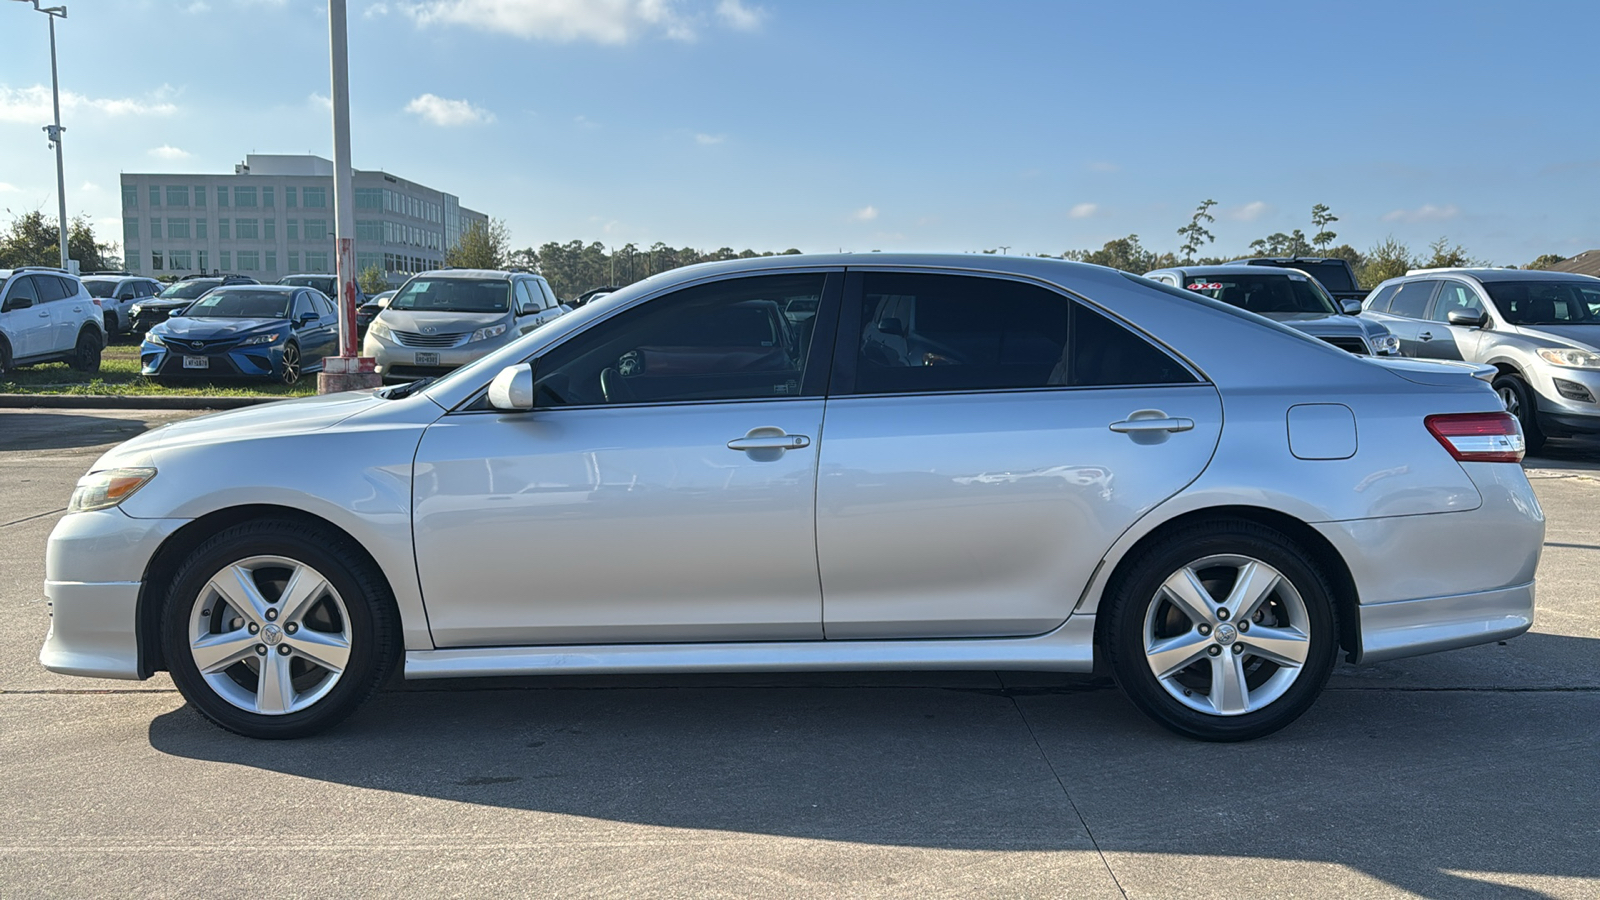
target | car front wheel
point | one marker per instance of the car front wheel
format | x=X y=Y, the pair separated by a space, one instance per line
x=289 y=371
x=1222 y=631
x=1520 y=402
x=273 y=629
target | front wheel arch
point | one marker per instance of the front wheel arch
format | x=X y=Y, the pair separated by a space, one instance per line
x=1346 y=596
x=176 y=548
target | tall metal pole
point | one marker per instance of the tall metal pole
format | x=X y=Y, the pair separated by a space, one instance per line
x=344 y=213
x=55 y=132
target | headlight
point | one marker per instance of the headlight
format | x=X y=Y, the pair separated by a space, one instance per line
x=483 y=334
x=136 y=309
x=1571 y=359
x=103 y=490
x=1386 y=344
x=260 y=339
x=379 y=329
x=150 y=337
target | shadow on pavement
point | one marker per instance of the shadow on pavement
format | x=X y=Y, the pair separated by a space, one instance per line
x=60 y=431
x=1409 y=786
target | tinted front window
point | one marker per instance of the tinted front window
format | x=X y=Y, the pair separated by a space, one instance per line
x=958 y=333
x=241 y=305
x=101 y=289
x=1454 y=296
x=1411 y=300
x=454 y=295
x=1547 y=302
x=187 y=290
x=723 y=341
x=1287 y=293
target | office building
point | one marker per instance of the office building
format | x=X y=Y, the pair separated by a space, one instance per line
x=274 y=216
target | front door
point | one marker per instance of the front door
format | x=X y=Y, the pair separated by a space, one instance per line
x=662 y=490
x=983 y=450
x=27 y=319
x=1447 y=341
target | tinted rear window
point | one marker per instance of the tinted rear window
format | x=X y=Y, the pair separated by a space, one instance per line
x=1411 y=300
x=101 y=288
x=1333 y=273
x=1264 y=293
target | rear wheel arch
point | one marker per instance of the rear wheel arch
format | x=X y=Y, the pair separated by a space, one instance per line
x=1327 y=558
x=177 y=547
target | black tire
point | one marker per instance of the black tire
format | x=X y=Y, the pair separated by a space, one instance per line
x=289 y=368
x=1521 y=402
x=1140 y=594
x=5 y=357
x=361 y=600
x=111 y=326
x=86 y=354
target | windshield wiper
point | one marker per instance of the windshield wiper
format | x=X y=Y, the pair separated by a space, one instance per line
x=401 y=391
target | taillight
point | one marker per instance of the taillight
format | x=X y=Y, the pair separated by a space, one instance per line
x=1479 y=437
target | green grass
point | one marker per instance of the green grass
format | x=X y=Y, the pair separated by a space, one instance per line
x=119 y=376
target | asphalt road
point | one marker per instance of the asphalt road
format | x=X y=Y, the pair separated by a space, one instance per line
x=1474 y=773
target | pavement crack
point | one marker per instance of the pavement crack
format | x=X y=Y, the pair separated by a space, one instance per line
x=31 y=518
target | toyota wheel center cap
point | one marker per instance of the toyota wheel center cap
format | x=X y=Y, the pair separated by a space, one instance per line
x=1226 y=634
x=272 y=634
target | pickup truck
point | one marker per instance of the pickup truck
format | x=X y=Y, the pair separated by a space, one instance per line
x=1334 y=273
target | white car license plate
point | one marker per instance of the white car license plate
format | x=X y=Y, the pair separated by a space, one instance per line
x=197 y=362
x=427 y=359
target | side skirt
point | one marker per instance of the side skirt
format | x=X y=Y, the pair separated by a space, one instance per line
x=1070 y=648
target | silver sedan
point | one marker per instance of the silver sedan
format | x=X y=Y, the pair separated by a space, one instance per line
x=823 y=462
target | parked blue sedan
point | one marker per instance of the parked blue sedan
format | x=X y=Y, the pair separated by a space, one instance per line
x=245 y=331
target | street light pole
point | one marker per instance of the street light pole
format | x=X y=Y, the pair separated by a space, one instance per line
x=54 y=131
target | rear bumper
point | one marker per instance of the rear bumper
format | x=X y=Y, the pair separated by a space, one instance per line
x=1415 y=627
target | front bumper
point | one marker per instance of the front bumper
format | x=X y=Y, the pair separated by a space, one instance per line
x=259 y=361
x=1562 y=407
x=396 y=361
x=94 y=566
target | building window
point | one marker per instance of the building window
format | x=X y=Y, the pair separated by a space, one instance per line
x=246 y=229
x=200 y=229
x=269 y=229
x=177 y=195
x=178 y=228
x=315 y=197
x=294 y=261
x=155 y=228
x=155 y=195
x=225 y=257
x=317 y=263
x=200 y=196
x=369 y=230
x=178 y=260
x=244 y=196
x=365 y=261
x=249 y=261
x=222 y=229
x=130 y=197
x=200 y=260
x=130 y=230
x=222 y=196
x=292 y=229
x=270 y=260
x=369 y=198
x=156 y=260
x=266 y=197
x=288 y=197
x=316 y=229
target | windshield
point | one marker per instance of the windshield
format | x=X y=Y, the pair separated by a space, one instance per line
x=1547 y=302
x=461 y=295
x=186 y=290
x=1286 y=293
x=241 y=305
x=100 y=288
x=1333 y=273
x=323 y=283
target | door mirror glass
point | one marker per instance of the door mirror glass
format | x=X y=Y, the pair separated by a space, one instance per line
x=18 y=303
x=512 y=389
x=892 y=327
x=1470 y=318
x=306 y=318
x=1350 y=307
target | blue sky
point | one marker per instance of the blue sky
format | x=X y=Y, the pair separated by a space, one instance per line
x=1038 y=126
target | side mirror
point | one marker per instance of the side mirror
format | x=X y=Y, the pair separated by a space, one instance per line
x=512 y=389
x=1469 y=318
x=892 y=326
x=308 y=318
x=1350 y=307
x=18 y=303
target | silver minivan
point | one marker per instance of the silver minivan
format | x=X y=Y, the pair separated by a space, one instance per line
x=444 y=319
x=1540 y=330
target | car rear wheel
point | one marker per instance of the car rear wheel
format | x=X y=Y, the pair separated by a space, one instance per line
x=1222 y=631
x=86 y=355
x=1520 y=402
x=5 y=357
x=290 y=371
x=276 y=630
x=111 y=325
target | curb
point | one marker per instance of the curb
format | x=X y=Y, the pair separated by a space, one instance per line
x=120 y=401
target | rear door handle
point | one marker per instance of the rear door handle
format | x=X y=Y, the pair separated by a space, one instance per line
x=44 y=313
x=1425 y=336
x=1136 y=424
x=770 y=442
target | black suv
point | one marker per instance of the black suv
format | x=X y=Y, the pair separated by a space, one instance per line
x=147 y=314
x=1333 y=273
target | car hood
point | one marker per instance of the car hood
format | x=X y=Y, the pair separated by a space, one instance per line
x=215 y=328
x=164 y=302
x=434 y=322
x=1583 y=337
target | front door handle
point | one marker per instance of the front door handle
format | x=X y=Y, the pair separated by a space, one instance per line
x=779 y=441
x=1151 y=426
x=44 y=313
x=1425 y=336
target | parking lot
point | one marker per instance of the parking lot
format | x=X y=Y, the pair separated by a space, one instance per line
x=1471 y=773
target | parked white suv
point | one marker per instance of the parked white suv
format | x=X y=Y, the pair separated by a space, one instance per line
x=46 y=315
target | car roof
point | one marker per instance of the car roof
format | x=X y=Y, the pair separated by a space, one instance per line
x=470 y=273
x=278 y=288
x=1231 y=269
x=1488 y=275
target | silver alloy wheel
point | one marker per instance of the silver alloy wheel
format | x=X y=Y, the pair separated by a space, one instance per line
x=291 y=364
x=1513 y=403
x=1226 y=635
x=270 y=635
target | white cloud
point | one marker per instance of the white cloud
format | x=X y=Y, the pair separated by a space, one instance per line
x=601 y=21
x=6 y=188
x=707 y=140
x=31 y=105
x=448 y=113
x=585 y=122
x=89 y=186
x=865 y=214
x=166 y=151
x=736 y=15
x=316 y=99
x=1249 y=212
x=1083 y=210
x=1427 y=212
x=375 y=10
x=198 y=6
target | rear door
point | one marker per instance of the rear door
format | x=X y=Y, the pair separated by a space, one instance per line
x=970 y=478
x=1406 y=315
x=58 y=297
